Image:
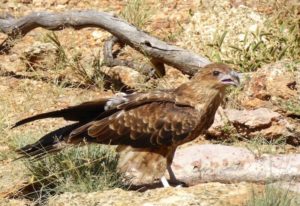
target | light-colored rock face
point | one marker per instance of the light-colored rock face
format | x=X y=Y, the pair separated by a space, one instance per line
x=210 y=194
x=261 y=122
x=125 y=75
x=270 y=85
x=207 y=163
x=252 y=118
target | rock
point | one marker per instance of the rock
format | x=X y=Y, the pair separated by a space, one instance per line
x=210 y=194
x=218 y=163
x=261 y=122
x=252 y=119
x=196 y=165
x=40 y=56
x=172 y=79
x=273 y=86
x=98 y=34
x=125 y=75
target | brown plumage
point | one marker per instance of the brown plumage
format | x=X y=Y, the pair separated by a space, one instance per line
x=147 y=126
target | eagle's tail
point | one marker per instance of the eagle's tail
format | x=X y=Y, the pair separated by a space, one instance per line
x=54 y=141
x=51 y=142
x=82 y=113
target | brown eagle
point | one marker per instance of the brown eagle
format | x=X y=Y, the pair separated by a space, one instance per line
x=148 y=127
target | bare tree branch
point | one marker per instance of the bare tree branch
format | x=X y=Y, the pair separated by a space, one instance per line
x=152 y=47
x=111 y=60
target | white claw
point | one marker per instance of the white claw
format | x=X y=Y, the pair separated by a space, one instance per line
x=165 y=182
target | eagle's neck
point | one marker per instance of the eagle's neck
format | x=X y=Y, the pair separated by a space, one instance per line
x=200 y=96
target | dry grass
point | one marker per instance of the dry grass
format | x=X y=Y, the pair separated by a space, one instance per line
x=272 y=196
x=80 y=169
x=260 y=145
x=87 y=72
x=93 y=165
x=137 y=12
x=278 y=38
x=245 y=38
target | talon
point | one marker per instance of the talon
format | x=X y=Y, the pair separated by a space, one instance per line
x=164 y=182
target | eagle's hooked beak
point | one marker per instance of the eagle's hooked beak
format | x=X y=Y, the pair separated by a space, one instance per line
x=232 y=78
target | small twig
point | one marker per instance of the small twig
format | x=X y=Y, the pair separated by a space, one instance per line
x=6 y=45
x=159 y=67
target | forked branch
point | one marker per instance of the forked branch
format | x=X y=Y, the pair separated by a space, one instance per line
x=155 y=49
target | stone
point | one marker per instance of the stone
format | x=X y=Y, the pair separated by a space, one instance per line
x=40 y=56
x=197 y=165
x=262 y=122
x=219 y=163
x=252 y=118
x=209 y=194
x=98 y=34
x=125 y=75
x=272 y=86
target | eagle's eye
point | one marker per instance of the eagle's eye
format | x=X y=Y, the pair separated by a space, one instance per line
x=216 y=73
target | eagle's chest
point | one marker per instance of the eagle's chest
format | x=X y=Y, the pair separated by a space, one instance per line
x=207 y=115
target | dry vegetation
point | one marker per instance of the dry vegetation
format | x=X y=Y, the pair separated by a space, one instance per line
x=80 y=169
x=251 y=39
x=271 y=196
x=257 y=34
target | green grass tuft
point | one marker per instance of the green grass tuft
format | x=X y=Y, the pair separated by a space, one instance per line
x=272 y=197
x=78 y=169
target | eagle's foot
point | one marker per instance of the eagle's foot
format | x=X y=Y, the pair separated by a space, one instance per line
x=164 y=182
x=178 y=183
x=172 y=183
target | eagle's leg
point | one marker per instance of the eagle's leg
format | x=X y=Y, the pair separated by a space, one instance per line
x=173 y=178
x=171 y=174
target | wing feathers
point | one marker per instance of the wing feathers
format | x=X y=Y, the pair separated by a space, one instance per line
x=143 y=120
x=151 y=124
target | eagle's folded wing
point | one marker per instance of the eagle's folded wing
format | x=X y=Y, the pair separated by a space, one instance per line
x=148 y=125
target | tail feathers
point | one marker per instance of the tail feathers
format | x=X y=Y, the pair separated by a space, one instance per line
x=49 y=143
x=39 y=116
x=83 y=112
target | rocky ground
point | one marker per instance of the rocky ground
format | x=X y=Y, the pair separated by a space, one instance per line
x=259 y=122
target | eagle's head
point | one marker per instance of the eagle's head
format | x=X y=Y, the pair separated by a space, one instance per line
x=217 y=75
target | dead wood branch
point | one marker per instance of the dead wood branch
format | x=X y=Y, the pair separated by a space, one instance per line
x=152 y=47
x=110 y=58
